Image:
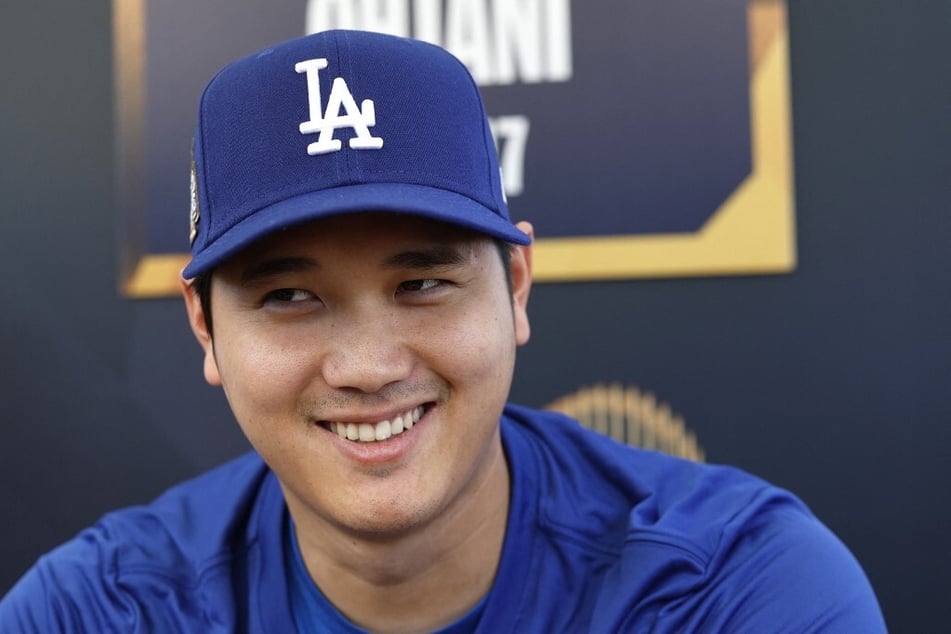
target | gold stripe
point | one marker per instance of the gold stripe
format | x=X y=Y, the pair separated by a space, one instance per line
x=752 y=232
x=157 y=276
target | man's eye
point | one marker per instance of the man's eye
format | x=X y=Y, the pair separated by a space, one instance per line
x=289 y=295
x=415 y=286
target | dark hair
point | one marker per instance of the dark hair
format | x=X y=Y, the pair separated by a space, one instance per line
x=201 y=283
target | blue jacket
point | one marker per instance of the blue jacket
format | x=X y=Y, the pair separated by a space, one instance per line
x=601 y=538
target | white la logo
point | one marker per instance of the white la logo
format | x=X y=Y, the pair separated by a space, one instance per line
x=360 y=119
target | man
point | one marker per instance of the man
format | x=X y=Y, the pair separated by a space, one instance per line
x=359 y=293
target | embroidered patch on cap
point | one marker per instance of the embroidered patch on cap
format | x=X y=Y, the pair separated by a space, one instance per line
x=195 y=213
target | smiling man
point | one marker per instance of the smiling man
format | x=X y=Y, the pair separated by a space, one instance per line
x=359 y=293
x=368 y=357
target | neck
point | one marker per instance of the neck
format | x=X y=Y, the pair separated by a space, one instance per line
x=421 y=579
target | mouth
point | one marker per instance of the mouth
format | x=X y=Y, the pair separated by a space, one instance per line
x=378 y=431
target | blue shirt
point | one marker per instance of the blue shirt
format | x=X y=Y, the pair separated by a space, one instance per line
x=314 y=614
x=601 y=537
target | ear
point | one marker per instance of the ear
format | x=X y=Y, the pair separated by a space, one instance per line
x=522 y=284
x=196 y=318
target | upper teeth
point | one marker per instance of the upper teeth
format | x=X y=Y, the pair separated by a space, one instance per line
x=371 y=432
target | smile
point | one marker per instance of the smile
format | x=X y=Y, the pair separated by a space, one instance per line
x=374 y=432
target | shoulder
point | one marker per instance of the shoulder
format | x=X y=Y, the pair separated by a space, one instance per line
x=198 y=520
x=770 y=565
x=683 y=545
x=139 y=557
x=595 y=484
x=618 y=495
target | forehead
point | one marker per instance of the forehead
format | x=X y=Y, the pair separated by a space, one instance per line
x=369 y=234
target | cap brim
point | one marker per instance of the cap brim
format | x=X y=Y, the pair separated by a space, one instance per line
x=428 y=202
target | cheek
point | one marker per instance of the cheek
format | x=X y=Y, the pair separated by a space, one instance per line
x=261 y=376
x=476 y=349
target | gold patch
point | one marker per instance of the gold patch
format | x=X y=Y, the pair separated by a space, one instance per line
x=633 y=416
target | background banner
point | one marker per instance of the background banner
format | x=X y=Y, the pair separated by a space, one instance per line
x=642 y=139
x=831 y=380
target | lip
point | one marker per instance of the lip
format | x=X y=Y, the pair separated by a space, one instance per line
x=379 y=452
x=374 y=417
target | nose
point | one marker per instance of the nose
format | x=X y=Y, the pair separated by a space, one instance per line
x=366 y=355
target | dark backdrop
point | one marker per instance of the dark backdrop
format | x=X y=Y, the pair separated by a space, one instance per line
x=832 y=381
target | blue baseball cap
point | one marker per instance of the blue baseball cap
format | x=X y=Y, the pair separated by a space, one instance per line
x=340 y=122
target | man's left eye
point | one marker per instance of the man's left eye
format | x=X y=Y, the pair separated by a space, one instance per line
x=419 y=285
x=289 y=295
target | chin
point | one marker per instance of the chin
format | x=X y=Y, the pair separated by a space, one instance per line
x=388 y=523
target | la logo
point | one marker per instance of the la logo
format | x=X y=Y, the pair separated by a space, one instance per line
x=360 y=119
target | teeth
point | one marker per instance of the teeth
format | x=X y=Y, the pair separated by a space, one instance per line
x=366 y=432
x=372 y=432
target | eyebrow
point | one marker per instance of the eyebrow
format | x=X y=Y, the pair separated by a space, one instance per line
x=427 y=258
x=417 y=259
x=277 y=266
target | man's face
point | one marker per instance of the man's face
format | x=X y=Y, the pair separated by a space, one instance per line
x=324 y=331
